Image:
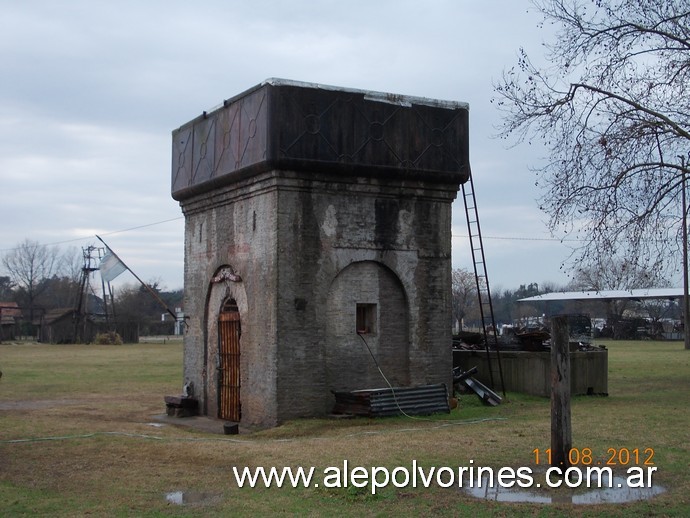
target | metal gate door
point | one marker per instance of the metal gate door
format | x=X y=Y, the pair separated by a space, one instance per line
x=229 y=363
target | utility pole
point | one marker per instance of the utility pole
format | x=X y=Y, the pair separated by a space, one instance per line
x=82 y=310
x=561 y=424
x=686 y=299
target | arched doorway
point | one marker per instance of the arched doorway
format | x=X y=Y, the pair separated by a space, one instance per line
x=229 y=332
x=367 y=315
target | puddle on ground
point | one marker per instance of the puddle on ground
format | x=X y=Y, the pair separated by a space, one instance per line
x=190 y=497
x=618 y=493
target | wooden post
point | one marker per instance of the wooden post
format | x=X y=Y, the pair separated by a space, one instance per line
x=561 y=430
x=686 y=295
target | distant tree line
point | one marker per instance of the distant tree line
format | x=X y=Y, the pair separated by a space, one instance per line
x=135 y=304
x=40 y=279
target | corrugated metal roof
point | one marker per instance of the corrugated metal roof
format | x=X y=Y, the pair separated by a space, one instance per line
x=422 y=400
x=650 y=293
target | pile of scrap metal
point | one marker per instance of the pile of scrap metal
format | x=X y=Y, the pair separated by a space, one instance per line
x=524 y=338
x=510 y=339
x=582 y=346
x=484 y=393
x=468 y=341
x=533 y=339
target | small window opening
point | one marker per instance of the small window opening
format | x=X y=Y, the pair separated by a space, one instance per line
x=366 y=318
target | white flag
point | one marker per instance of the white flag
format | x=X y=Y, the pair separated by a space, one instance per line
x=110 y=267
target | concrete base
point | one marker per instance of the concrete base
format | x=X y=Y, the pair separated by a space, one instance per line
x=196 y=423
x=181 y=406
x=529 y=372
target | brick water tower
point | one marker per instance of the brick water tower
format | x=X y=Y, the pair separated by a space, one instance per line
x=317 y=235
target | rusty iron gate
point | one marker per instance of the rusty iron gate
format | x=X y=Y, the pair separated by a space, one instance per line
x=229 y=363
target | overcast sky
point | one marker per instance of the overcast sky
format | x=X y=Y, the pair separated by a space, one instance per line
x=91 y=91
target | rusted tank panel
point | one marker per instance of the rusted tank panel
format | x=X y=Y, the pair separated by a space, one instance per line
x=288 y=125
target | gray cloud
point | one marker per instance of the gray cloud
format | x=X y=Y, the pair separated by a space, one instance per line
x=91 y=91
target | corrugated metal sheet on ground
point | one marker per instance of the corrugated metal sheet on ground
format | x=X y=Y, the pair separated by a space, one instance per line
x=422 y=400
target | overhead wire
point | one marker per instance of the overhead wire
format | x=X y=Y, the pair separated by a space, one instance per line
x=516 y=238
x=112 y=232
x=146 y=225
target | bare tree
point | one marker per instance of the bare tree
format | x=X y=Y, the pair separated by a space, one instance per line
x=613 y=109
x=615 y=275
x=71 y=264
x=29 y=265
x=464 y=294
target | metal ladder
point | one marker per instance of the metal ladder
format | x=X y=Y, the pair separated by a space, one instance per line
x=486 y=309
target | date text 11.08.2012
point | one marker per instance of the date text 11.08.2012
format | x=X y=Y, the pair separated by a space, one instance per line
x=612 y=457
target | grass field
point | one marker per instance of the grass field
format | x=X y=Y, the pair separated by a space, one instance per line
x=78 y=436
